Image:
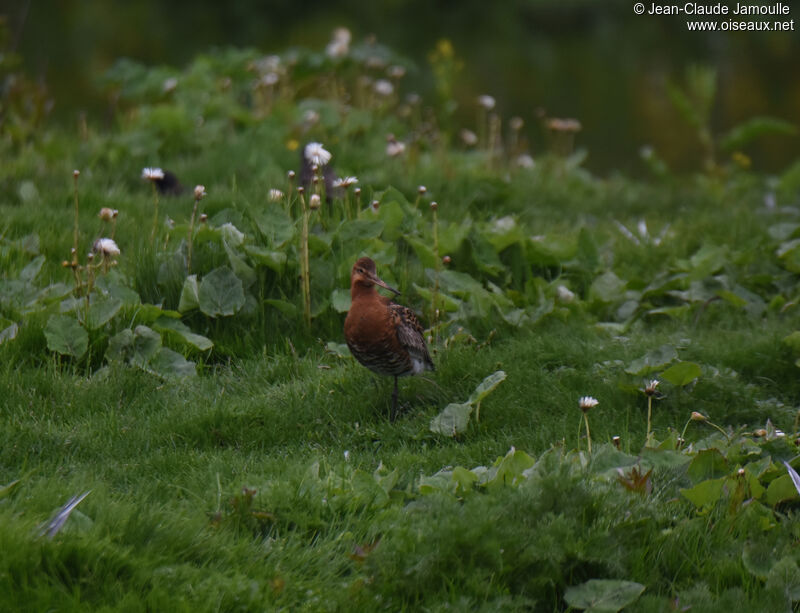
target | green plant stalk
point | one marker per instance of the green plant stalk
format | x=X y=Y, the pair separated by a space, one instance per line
x=796 y=422
x=435 y=318
x=155 y=212
x=683 y=434
x=75 y=232
x=190 y=238
x=588 y=434
x=649 y=416
x=304 y=265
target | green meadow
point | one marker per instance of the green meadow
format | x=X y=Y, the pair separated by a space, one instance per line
x=191 y=378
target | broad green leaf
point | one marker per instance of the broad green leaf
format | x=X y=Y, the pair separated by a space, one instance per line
x=550 y=250
x=240 y=268
x=486 y=386
x=181 y=331
x=359 y=229
x=340 y=299
x=741 y=135
x=32 y=269
x=446 y=303
x=391 y=214
x=706 y=493
x=510 y=469
x=168 y=364
x=189 y=295
x=287 y=308
x=707 y=464
x=706 y=261
x=221 y=293
x=66 y=336
x=231 y=234
x=682 y=373
x=781 y=489
x=608 y=287
x=792 y=341
x=785 y=577
x=120 y=346
x=146 y=342
x=275 y=260
x=275 y=224
x=9 y=333
x=464 y=479
x=453 y=420
x=423 y=251
x=603 y=595
x=652 y=361
x=101 y=311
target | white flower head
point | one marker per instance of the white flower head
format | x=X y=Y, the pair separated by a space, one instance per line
x=486 y=102
x=345 y=182
x=106 y=247
x=650 y=387
x=275 y=194
x=587 y=402
x=106 y=214
x=524 y=160
x=199 y=192
x=315 y=153
x=564 y=294
x=340 y=43
x=314 y=202
x=152 y=174
x=383 y=87
x=395 y=148
x=468 y=137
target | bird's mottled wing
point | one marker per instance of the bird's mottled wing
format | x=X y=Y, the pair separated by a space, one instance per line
x=410 y=333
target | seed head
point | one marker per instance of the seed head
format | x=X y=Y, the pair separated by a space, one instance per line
x=152 y=174
x=421 y=190
x=316 y=154
x=76 y=173
x=434 y=206
x=587 y=402
x=301 y=190
x=106 y=247
x=486 y=102
x=314 y=202
x=290 y=174
x=199 y=192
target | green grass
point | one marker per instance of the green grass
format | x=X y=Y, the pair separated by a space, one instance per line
x=169 y=525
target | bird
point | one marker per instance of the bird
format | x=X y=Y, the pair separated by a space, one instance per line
x=382 y=335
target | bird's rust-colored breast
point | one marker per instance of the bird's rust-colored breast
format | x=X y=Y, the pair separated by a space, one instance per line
x=371 y=334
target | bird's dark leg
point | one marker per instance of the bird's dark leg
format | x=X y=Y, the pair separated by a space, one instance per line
x=393 y=414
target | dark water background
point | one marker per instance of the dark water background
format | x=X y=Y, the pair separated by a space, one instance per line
x=592 y=60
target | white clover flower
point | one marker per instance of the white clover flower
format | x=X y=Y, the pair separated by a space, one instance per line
x=152 y=174
x=345 y=182
x=275 y=194
x=106 y=247
x=486 y=102
x=315 y=153
x=383 y=87
x=199 y=192
x=524 y=160
x=468 y=137
x=587 y=402
x=395 y=148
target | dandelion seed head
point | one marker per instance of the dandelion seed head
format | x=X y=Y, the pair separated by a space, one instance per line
x=152 y=174
x=315 y=153
x=106 y=247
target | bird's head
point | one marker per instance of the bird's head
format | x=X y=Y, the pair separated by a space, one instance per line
x=364 y=275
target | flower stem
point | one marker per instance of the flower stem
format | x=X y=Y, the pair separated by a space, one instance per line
x=304 y=265
x=435 y=318
x=75 y=192
x=588 y=434
x=649 y=416
x=155 y=212
x=190 y=238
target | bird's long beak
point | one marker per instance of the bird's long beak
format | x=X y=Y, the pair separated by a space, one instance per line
x=378 y=281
